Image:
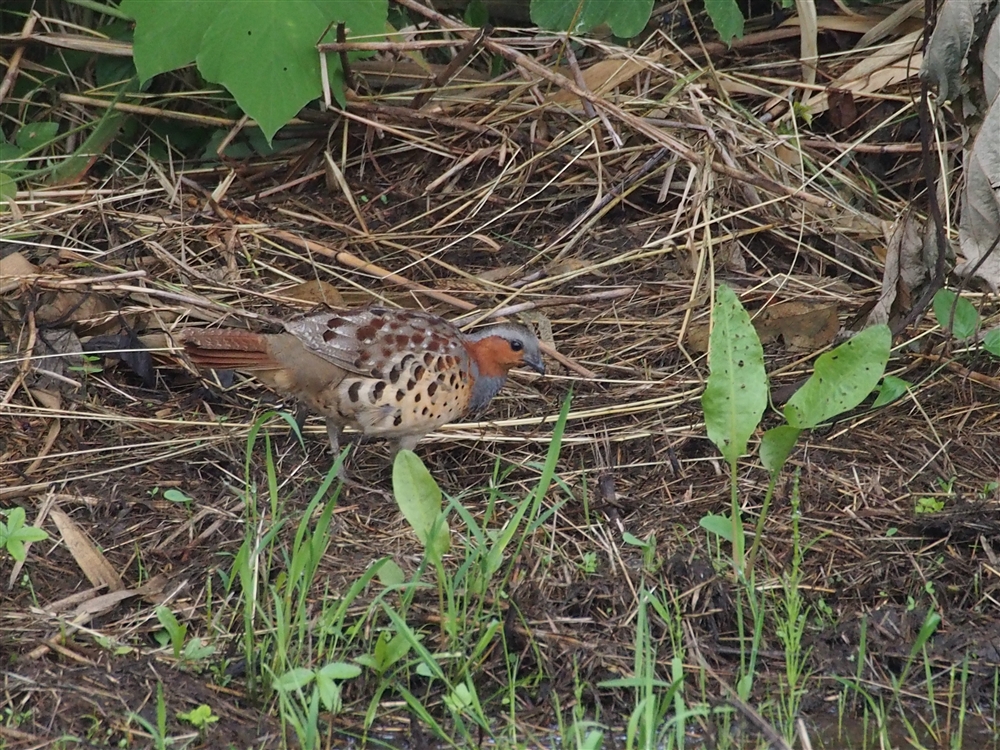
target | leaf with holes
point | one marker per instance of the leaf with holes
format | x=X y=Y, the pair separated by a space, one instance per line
x=842 y=379
x=736 y=393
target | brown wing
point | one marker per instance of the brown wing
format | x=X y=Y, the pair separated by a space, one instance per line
x=366 y=338
x=408 y=371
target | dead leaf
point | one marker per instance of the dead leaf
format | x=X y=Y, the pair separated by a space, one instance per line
x=729 y=255
x=315 y=292
x=494 y=275
x=804 y=326
x=13 y=265
x=48 y=399
x=603 y=76
x=697 y=337
x=893 y=63
x=64 y=308
x=55 y=362
x=949 y=45
x=979 y=225
x=104 y=603
x=904 y=266
x=95 y=566
x=567 y=266
x=991 y=63
x=843 y=111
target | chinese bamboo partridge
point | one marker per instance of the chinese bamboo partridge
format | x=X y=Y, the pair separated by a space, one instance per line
x=385 y=372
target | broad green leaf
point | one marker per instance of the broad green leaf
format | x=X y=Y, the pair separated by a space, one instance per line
x=15 y=548
x=166 y=38
x=890 y=389
x=991 y=342
x=168 y=619
x=842 y=379
x=721 y=526
x=438 y=541
x=294 y=679
x=8 y=190
x=775 y=445
x=390 y=574
x=633 y=540
x=282 y=73
x=264 y=51
x=176 y=496
x=339 y=670
x=966 y=318
x=15 y=518
x=626 y=19
x=418 y=496
x=727 y=18
x=34 y=135
x=736 y=393
x=476 y=14
x=31 y=534
x=329 y=692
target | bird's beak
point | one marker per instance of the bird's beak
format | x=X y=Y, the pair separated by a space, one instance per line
x=535 y=363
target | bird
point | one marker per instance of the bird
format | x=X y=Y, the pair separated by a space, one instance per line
x=385 y=372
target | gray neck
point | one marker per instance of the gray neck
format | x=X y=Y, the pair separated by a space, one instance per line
x=484 y=389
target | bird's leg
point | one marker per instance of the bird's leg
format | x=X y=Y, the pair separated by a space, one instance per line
x=405 y=443
x=336 y=433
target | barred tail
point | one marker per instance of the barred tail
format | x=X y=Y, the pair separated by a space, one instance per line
x=228 y=349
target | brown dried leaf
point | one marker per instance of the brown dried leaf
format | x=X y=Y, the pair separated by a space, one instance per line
x=904 y=266
x=315 y=292
x=804 y=326
x=66 y=308
x=93 y=564
x=13 y=265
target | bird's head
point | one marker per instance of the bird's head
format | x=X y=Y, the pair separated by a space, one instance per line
x=496 y=350
x=499 y=348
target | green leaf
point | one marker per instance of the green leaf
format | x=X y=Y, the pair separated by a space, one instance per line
x=720 y=526
x=15 y=519
x=8 y=189
x=390 y=648
x=966 y=318
x=339 y=670
x=842 y=379
x=633 y=540
x=626 y=19
x=36 y=135
x=727 y=18
x=390 y=574
x=168 y=620
x=31 y=534
x=890 y=389
x=264 y=51
x=736 y=393
x=991 y=342
x=15 y=548
x=294 y=679
x=199 y=717
x=476 y=14
x=418 y=497
x=176 y=496
x=164 y=38
x=929 y=505
x=329 y=692
x=775 y=445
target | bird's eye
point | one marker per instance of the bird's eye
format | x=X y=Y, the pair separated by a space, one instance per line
x=516 y=345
